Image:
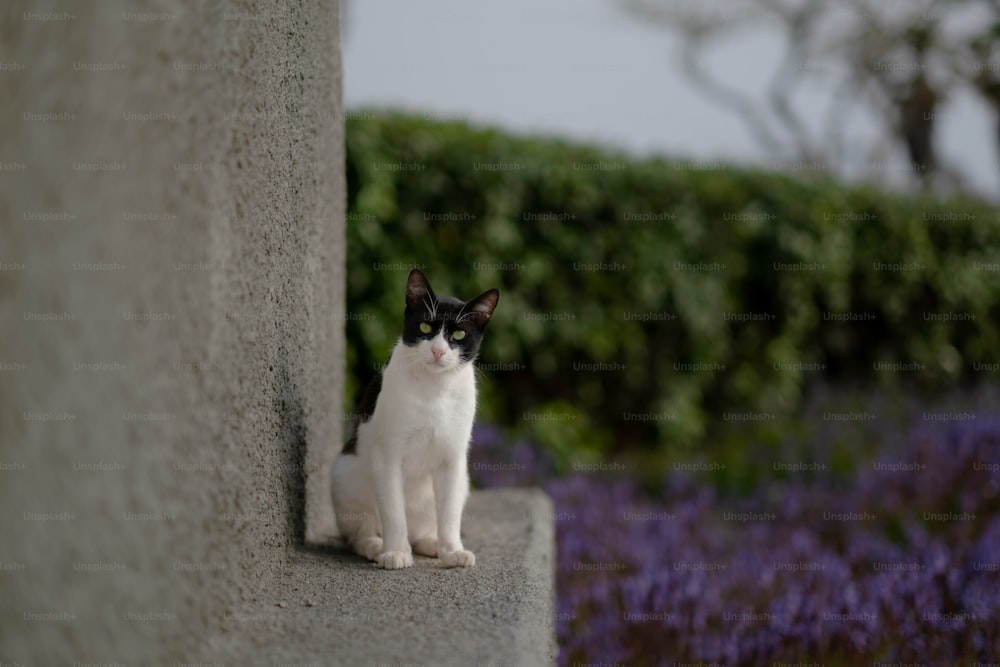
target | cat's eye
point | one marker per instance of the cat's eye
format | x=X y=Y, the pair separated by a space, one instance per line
x=458 y=335
x=425 y=327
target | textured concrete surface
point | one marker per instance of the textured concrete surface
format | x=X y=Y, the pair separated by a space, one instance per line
x=171 y=300
x=331 y=607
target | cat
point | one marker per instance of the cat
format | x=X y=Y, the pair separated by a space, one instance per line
x=402 y=478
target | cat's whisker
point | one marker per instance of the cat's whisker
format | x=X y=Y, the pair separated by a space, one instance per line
x=431 y=306
x=461 y=315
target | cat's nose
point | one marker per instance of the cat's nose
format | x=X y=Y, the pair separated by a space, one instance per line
x=437 y=354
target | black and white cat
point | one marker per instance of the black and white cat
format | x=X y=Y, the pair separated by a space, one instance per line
x=402 y=479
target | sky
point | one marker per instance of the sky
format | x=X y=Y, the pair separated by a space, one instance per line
x=588 y=70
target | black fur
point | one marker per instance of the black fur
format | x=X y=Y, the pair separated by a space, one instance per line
x=448 y=312
x=366 y=410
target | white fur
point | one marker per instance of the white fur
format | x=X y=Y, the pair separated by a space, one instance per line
x=408 y=482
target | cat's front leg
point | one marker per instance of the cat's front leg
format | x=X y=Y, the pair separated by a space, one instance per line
x=396 y=551
x=451 y=488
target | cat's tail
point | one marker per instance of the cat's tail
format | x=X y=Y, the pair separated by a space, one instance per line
x=329 y=534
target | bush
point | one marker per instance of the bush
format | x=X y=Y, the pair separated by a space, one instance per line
x=651 y=301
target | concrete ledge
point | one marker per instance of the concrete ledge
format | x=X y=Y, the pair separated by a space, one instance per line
x=330 y=607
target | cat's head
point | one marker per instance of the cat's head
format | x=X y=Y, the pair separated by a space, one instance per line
x=443 y=333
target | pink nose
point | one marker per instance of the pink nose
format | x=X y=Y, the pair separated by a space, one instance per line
x=437 y=354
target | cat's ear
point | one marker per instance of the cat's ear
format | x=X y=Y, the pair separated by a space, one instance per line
x=482 y=307
x=418 y=290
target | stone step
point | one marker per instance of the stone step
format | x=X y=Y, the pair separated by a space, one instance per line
x=331 y=607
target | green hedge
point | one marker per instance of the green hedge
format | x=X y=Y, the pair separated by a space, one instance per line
x=645 y=302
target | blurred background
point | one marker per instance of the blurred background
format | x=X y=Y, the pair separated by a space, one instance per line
x=747 y=339
x=760 y=82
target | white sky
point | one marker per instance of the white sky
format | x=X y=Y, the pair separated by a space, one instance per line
x=585 y=70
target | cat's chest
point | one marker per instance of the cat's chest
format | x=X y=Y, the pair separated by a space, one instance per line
x=444 y=417
x=440 y=409
x=430 y=411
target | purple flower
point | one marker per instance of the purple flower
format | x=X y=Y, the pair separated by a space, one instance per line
x=897 y=560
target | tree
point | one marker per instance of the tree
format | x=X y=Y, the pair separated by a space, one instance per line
x=900 y=62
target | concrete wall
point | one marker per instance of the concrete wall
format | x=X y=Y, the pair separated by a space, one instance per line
x=171 y=292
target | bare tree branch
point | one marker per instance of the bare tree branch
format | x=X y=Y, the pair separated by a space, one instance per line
x=731 y=99
x=799 y=24
x=890 y=61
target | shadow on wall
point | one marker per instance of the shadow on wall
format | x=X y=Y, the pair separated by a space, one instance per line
x=288 y=405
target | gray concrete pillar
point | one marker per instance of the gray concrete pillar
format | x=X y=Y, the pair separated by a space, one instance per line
x=171 y=330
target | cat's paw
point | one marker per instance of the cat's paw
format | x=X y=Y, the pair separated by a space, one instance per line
x=370 y=547
x=458 y=558
x=394 y=560
x=427 y=546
